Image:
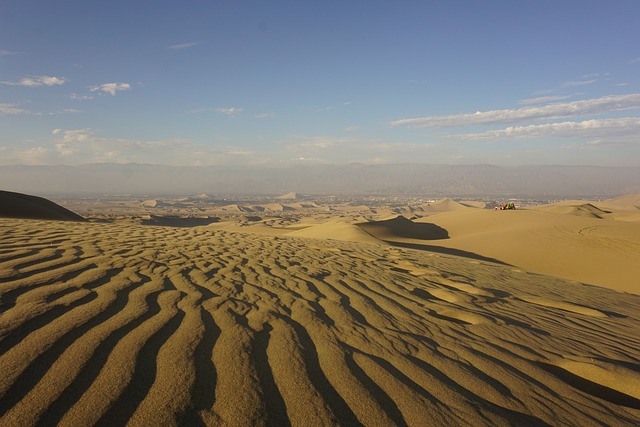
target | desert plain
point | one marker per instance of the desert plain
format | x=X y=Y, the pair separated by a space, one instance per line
x=302 y=312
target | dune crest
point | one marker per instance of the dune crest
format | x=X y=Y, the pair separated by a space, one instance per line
x=18 y=205
x=336 y=230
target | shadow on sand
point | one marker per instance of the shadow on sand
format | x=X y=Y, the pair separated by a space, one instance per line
x=446 y=251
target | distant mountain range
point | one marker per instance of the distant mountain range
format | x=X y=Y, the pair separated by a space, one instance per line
x=350 y=179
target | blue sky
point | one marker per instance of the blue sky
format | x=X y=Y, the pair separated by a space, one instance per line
x=297 y=82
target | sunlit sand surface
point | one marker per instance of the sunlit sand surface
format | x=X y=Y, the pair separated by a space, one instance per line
x=119 y=322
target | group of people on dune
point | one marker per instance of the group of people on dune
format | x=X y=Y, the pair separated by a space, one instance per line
x=505 y=207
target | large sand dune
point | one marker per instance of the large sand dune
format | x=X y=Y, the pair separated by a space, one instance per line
x=572 y=242
x=109 y=323
x=17 y=205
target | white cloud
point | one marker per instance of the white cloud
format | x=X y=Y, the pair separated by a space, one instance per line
x=8 y=53
x=38 y=81
x=561 y=109
x=264 y=116
x=10 y=110
x=629 y=126
x=183 y=45
x=229 y=111
x=74 y=135
x=111 y=88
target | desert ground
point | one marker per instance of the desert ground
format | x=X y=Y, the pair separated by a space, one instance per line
x=302 y=312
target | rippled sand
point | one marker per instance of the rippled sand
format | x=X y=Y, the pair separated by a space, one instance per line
x=108 y=323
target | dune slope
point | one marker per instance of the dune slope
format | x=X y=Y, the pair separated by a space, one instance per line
x=18 y=205
x=558 y=241
x=114 y=323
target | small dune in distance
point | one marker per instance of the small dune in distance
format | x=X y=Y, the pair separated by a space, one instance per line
x=295 y=310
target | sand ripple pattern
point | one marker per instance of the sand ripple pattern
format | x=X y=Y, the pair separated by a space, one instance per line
x=114 y=324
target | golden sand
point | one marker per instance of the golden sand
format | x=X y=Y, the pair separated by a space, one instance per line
x=115 y=323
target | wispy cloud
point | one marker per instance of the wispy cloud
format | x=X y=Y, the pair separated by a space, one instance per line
x=86 y=146
x=78 y=97
x=180 y=46
x=80 y=146
x=588 y=128
x=38 y=81
x=229 y=111
x=579 y=83
x=264 y=116
x=543 y=99
x=316 y=143
x=601 y=105
x=111 y=88
x=8 y=53
x=11 y=110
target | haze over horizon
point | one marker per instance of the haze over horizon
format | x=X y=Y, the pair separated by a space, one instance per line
x=297 y=83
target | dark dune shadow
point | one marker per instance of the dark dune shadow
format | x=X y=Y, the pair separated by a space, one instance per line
x=94 y=365
x=144 y=375
x=592 y=388
x=176 y=221
x=403 y=227
x=384 y=400
x=319 y=380
x=276 y=409
x=203 y=393
x=446 y=251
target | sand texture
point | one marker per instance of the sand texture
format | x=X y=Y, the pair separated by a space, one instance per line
x=117 y=322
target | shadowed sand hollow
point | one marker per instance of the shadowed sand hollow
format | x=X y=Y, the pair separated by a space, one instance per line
x=115 y=323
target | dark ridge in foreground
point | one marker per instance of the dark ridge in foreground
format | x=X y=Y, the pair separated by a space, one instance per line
x=18 y=205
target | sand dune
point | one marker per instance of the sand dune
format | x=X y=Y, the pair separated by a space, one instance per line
x=629 y=202
x=109 y=323
x=577 y=208
x=444 y=205
x=288 y=196
x=560 y=241
x=336 y=230
x=17 y=205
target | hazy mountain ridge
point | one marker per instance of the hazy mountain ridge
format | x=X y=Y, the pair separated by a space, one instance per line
x=457 y=180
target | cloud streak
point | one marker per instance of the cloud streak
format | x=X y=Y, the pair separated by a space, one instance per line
x=183 y=46
x=229 y=111
x=10 y=110
x=628 y=126
x=111 y=88
x=543 y=99
x=38 y=81
x=601 y=105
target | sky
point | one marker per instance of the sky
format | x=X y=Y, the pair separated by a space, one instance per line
x=221 y=82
